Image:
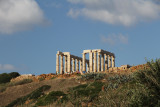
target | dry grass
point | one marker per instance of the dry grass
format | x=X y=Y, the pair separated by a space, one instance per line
x=15 y=92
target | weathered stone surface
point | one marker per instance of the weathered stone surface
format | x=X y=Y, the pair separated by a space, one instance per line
x=22 y=77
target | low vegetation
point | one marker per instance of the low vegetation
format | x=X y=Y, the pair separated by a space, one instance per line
x=149 y=83
x=93 y=76
x=6 y=77
x=54 y=96
x=32 y=96
x=85 y=93
x=9 y=84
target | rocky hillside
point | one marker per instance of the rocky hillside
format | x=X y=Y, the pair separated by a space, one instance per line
x=93 y=89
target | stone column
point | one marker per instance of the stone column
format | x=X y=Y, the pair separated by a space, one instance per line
x=80 y=65
x=69 y=63
x=91 y=61
x=109 y=61
x=57 y=64
x=65 y=64
x=99 y=63
x=88 y=67
x=77 y=65
x=84 y=61
x=106 y=62
x=95 y=61
x=61 y=64
x=102 y=62
x=73 y=65
x=113 y=61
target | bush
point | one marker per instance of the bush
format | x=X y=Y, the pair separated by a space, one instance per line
x=4 y=78
x=93 y=76
x=14 y=74
x=115 y=81
x=84 y=93
x=32 y=96
x=53 y=96
x=142 y=97
x=150 y=79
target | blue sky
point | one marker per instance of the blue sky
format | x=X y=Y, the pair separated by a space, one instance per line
x=32 y=31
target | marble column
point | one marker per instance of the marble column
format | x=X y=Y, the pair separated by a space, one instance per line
x=109 y=61
x=57 y=64
x=69 y=63
x=61 y=64
x=102 y=62
x=106 y=62
x=91 y=61
x=84 y=61
x=95 y=61
x=65 y=71
x=113 y=61
x=77 y=65
x=80 y=65
x=99 y=63
x=73 y=65
x=88 y=67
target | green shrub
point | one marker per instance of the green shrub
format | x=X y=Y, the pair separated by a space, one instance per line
x=14 y=74
x=52 y=97
x=37 y=93
x=150 y=79
x=32 y=96
x=142 y=97
x=85 y=93
x=93 y=76
x=116 y=80
x=4 y=77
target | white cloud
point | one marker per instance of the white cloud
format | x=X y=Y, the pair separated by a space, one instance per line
x=19 y=15
x=124 y=12
x=73 y=13
x=114 y=39
x=5 y=67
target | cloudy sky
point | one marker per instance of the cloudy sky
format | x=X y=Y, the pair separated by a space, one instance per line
x=32 y=31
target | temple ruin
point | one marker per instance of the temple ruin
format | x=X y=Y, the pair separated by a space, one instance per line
x=99 y=60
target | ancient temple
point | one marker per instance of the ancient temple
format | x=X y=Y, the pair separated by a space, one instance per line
x=99 y=60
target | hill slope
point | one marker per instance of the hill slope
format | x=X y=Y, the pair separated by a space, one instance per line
x=15 y=92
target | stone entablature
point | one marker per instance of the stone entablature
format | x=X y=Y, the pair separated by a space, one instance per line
x=98 y=58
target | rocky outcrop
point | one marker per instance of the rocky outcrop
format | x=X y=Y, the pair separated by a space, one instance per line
x=22 y=77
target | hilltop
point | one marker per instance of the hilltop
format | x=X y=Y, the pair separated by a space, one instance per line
x=91 y=89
